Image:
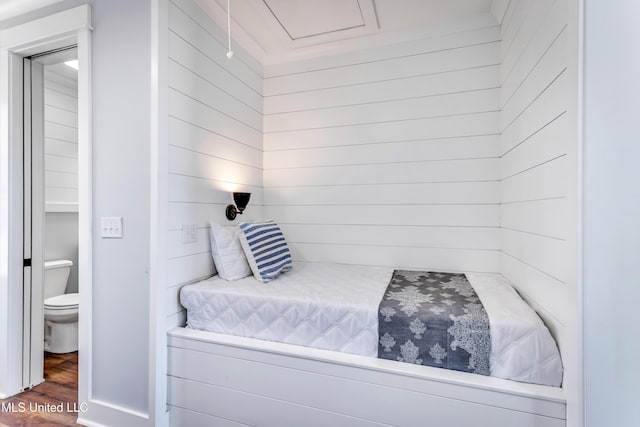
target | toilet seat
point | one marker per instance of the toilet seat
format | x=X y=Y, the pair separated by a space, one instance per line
x=62 y=302
x=62 y=308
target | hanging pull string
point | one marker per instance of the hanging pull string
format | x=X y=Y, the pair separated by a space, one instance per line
x=229 y=52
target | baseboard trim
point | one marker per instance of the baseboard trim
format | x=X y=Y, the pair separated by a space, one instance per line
x=105 y=414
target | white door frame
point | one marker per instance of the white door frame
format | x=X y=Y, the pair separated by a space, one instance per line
x=72 y=26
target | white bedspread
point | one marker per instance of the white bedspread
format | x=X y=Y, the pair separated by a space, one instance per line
x=328 y=306
x=522 y=348
x=335 y=307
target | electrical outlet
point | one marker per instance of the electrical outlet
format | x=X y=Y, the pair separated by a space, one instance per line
x=111 y=227
x=189 y=233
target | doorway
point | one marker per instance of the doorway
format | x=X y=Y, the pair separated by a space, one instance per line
x=21 y=354
x=50 y=235
x=50 y=210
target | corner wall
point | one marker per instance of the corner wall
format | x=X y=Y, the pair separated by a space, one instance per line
x=388 y=156
x=534 y=166
x=214 y=141
x=539 y=171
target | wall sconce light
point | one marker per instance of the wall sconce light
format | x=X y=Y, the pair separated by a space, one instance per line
x=241 y=201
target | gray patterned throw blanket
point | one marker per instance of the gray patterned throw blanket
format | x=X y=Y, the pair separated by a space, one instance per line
x=434 y=319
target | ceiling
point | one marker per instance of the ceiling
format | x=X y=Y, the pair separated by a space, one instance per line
x=55 y=62
x=276 y=31
x=283 y=30
x=63 y=70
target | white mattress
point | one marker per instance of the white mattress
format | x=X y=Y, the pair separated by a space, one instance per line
x=335 y=307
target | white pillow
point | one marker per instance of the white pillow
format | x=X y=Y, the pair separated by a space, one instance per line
x=266 y=249
x=227 y=253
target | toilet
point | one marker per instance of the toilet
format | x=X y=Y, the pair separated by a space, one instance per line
x=60 y=309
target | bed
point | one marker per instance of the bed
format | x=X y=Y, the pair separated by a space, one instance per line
x=305 y=346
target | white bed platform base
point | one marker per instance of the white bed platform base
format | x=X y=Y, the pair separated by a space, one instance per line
x=223 y=380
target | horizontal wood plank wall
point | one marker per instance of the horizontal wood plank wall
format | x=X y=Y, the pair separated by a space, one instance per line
x=215 y=141
x=257 y=383
x=60 y=142
x=388 y=156
x=533 y=163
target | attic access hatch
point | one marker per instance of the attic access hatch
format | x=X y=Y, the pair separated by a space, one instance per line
x=314 y=18
x=299 y=23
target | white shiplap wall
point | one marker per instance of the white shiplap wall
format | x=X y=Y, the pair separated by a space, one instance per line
x=534 y=166
x=60 y=142
x=388 y=156
x=215 y=140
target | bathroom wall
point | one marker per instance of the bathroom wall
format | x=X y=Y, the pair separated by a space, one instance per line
x=61 y=167
x=61 y=242
x=60 y=138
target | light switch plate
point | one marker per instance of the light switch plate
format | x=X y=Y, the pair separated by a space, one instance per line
x=111 y=227
x=189 y=233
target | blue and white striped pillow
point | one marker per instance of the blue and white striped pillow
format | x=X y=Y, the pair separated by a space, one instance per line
x=266 y=249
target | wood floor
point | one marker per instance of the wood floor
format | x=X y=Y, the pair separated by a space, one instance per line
x=35 y=407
